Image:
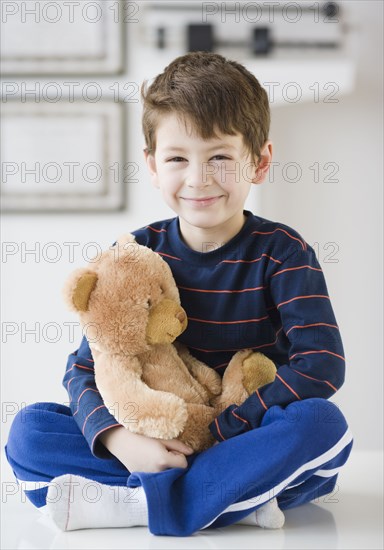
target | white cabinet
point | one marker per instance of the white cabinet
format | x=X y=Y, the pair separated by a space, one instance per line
x=63 y=136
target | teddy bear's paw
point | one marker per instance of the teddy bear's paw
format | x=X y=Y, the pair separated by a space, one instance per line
x=199 y=439
x=257 y=370
x=159 y=427
x=196 y=432
x=213 y=382
x=164 y=423
x=209 y=379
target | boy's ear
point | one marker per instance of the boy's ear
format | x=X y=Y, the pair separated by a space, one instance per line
x=151 y=164
x=262 y=167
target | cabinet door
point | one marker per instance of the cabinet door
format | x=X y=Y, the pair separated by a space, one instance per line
x=48 y=37
x=62 y=133
x=62 y=157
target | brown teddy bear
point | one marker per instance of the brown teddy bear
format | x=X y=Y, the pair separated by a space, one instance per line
x=129 y=304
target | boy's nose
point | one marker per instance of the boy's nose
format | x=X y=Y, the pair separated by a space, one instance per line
x=199 y=177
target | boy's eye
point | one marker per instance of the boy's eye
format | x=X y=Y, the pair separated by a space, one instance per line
x=220 y=157
x=176 y=159
x=181 y=159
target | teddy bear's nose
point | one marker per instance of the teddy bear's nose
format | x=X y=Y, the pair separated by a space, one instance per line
x=181 y=316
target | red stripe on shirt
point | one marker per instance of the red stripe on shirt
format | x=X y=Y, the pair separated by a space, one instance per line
x=288 y=386
x=261 y=400
x=295 y=268
x=317 y=351
x=80 y=367
x=239 y=417
x=251 y=261
x=302 y=298
x=316 y=379
x=156 y=230
x=81 y=395
x=218 y=430
x=312 y=325
x=168 y=256
x=90 y=414
x=222 y=291
x=228 y=322
x=283 y=231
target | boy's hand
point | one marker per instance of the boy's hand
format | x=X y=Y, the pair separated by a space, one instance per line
x=140 y=453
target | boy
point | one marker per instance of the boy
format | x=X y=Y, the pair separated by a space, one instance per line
x=245 y=282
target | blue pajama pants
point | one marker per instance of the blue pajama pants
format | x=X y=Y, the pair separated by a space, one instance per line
x=295 y=455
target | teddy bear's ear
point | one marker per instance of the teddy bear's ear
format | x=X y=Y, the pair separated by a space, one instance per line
x=78 y=289
x=126 y=238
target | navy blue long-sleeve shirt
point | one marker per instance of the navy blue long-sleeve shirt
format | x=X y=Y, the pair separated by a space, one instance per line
x=262 y=290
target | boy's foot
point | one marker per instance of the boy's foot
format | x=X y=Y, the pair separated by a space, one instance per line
x=74 y=502
x=268 y=516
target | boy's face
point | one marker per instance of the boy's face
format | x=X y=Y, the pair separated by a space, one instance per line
x=205 y=183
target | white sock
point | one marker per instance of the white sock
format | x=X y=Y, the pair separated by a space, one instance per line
x=268 y=516
x=74 y=502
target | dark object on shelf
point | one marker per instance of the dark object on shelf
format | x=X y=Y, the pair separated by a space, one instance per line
x=160 y=39
x=261 y=43
x=330 y=9
x=200 y=37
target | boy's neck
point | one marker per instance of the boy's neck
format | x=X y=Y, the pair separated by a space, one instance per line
x=203 y=239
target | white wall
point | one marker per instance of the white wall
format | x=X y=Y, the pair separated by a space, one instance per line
x=348 y=213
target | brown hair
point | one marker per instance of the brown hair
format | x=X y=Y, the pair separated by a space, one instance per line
x=210 y=92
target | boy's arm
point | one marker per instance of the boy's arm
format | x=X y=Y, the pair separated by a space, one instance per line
x=85 y=401
x=316 y=364
x=102 y=431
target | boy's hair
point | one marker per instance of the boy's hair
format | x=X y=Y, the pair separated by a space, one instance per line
x=209 y=92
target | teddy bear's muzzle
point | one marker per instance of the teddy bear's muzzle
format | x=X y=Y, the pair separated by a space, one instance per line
x=166 y=321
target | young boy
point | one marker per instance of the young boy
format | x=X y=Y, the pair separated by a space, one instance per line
x=245 y=282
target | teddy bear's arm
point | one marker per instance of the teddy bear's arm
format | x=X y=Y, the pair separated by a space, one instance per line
x=246 y=372
x=206 y=376
x=136 y=406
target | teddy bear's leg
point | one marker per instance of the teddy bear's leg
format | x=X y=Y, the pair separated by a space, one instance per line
x=233 y=391
x=246 y=372
x=206 y=376
x=196 y=433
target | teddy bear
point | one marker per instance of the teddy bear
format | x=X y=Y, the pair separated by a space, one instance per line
x=129 y=307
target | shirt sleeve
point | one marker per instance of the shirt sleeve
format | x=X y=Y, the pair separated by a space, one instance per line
x=85 y=401
x=315 y=365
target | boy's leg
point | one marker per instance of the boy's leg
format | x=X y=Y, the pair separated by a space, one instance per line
x=45 y=442
x=295 y=455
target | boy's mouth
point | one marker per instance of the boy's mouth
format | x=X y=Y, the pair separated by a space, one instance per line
x=202 y=201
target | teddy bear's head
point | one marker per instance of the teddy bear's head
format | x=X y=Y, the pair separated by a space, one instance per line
x=127 y=299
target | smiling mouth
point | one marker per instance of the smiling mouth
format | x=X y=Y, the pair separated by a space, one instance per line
x=202 y=200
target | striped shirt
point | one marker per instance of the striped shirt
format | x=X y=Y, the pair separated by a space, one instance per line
x=263 y=290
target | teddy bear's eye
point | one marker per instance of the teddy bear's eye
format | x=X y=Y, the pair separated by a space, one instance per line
x=149 y=303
